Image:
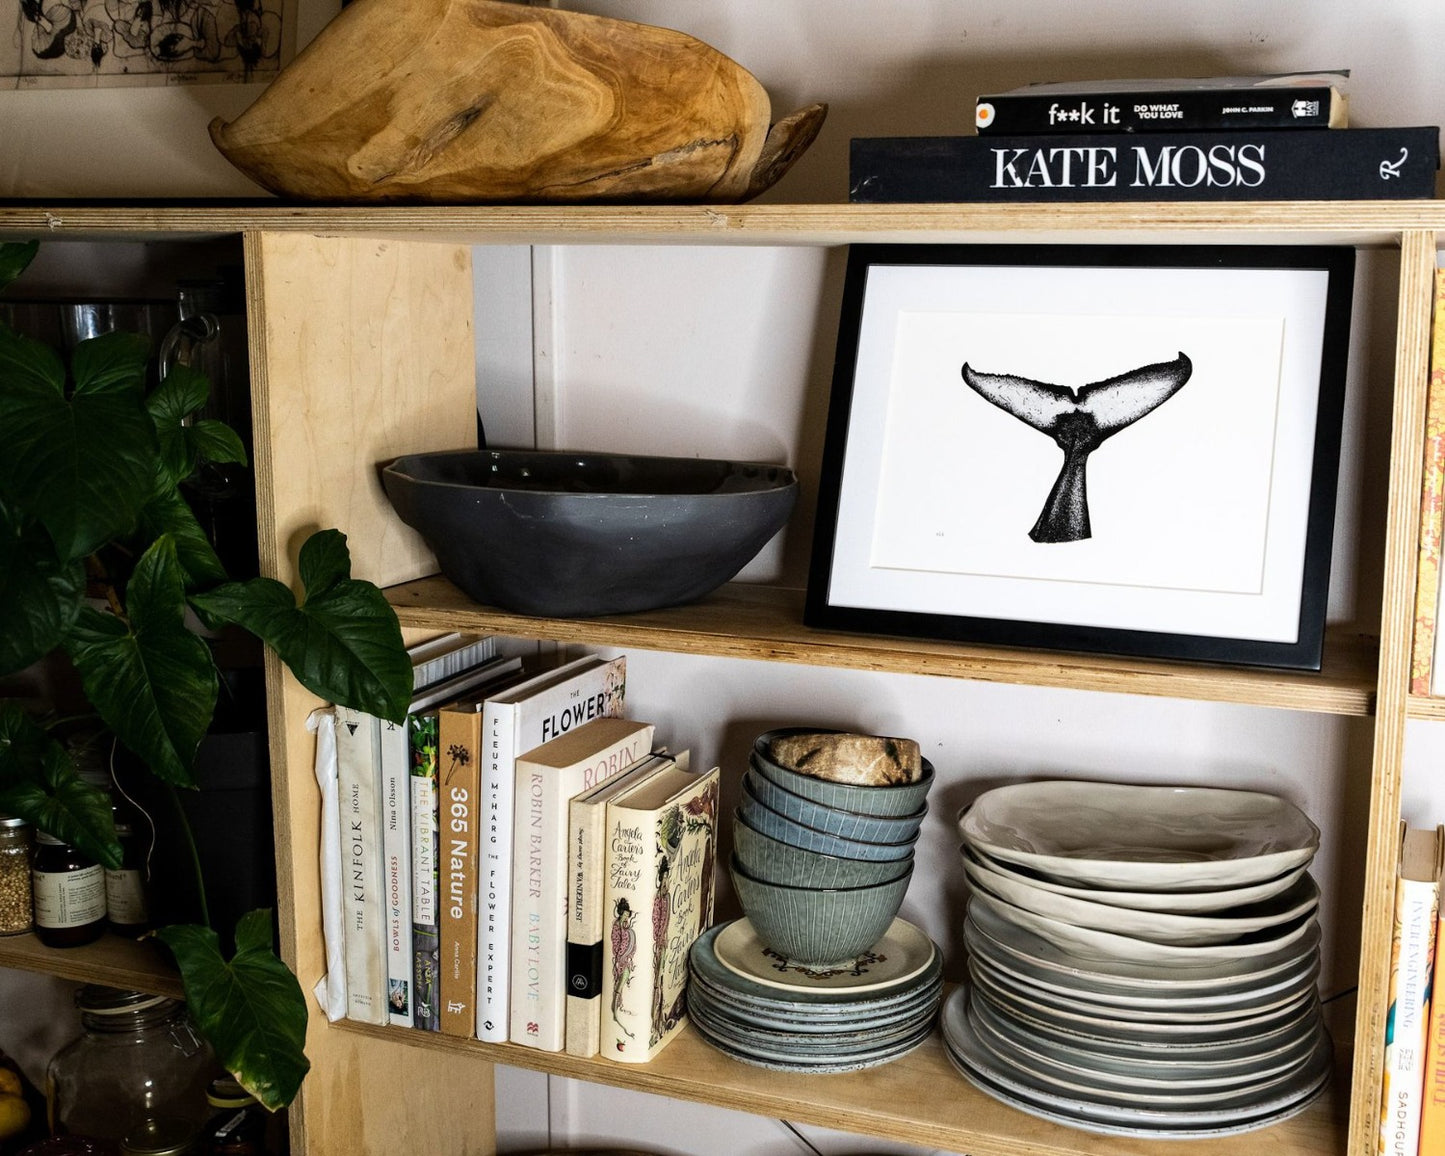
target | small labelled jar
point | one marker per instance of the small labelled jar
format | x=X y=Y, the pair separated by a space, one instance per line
x=17 y=899
x=127 y=892
x=69 y=892
x=238 y=1124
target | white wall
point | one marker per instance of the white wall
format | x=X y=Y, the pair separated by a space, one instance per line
x=729 y=351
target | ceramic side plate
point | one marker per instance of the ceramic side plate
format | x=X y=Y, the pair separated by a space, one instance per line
x=1141 y=838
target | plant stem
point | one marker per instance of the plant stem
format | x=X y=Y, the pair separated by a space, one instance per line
x=195 y=854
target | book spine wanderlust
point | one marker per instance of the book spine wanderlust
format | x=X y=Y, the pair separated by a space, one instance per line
x=1432 y=1098
x=396 y=847
x=1350 y=164
x=514 y=722
x=659 y=897
x=458 y=785
x=587 y=868
x=1432 y=509
x=1165 y=110
x=1412 y=953
x=358 y=782
x=422 y=741
x=547 y=778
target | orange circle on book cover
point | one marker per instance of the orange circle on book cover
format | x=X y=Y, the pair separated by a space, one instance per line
x=983 y=115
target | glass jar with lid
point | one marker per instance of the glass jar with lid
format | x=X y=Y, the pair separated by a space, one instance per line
x=138 y=1067
x=16 y=900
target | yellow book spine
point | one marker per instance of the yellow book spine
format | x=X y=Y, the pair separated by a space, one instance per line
x=1432 y=1100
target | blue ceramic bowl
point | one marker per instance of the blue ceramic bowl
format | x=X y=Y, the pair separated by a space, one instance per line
x=848 y=824
x=566 y=534
x=760 y=818
x=770 y=860
x=816 y=926
x=898 y=800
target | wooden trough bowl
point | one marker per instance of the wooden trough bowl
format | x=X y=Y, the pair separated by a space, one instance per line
x=463 y=101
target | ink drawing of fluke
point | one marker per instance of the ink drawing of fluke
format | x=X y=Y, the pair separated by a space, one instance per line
x=1079 y=421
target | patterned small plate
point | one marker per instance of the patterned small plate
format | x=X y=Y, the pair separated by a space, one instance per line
x=903 y=953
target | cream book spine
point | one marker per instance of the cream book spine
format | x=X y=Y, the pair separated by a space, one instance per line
x=547 y=778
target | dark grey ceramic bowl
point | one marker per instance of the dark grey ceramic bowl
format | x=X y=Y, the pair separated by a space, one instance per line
x=902 y=799
x=773 y=861
x=760 y=818
x=821 y=817
x=819 y=925
x=569 y=534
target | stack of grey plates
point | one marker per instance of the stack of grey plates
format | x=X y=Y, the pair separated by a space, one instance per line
x=759 y=1007
x=1142 y=960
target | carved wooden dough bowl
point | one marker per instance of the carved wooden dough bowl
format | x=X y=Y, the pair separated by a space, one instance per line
x=477 y=100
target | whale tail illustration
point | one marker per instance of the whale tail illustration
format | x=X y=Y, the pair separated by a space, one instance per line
x=1079 y=423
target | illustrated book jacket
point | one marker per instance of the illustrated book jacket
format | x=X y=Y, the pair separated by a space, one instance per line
x=661 y=859
x=547 y=778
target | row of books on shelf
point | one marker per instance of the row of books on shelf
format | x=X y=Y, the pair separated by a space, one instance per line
x=516 y=862
x=1412 y=1103
x=1209 y=138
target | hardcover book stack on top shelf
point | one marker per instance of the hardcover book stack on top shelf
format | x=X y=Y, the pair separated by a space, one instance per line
x=1280 y=137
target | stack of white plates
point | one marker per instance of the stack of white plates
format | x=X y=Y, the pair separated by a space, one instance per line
x=1142 y=960
x=761 y=1008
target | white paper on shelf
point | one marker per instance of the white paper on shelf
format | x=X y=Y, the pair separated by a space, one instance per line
x=330 y=990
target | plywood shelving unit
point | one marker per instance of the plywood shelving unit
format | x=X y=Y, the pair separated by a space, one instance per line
x=361 y=350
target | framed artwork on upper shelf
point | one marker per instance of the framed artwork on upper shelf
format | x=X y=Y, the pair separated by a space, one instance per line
x=1129 y=450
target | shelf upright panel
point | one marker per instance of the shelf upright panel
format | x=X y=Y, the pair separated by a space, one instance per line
x=1412 y=366
x=361 y=349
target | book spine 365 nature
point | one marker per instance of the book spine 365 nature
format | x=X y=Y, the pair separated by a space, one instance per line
x=358 y=780
x=1432 y=509
x=659 y=897
x=458 y=783
x=1412 y=952
x=426 y=949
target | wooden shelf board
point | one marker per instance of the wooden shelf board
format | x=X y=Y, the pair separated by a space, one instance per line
x=1293 y=222
x=111 y=960
x=917 y=1099
x=1425 y=707
x=757 y=622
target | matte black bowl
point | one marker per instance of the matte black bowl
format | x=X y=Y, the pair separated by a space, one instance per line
x=569 y=534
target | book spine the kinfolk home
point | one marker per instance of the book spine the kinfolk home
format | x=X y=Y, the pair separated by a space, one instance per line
x=1237 y=165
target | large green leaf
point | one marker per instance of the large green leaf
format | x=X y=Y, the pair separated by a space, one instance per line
x=14 y=257
x=38 y=782
x=83 y=464
x=152 y=681
x=185 y=444
x=39 y=594
x=250 y=1008
x=169 y=513
x=342 y=642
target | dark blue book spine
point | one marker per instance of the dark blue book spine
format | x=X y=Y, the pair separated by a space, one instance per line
x=1330 y=165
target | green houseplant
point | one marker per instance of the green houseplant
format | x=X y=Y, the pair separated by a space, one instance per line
x=101 y=558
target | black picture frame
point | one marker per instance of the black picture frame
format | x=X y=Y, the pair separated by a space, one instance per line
x=1216 y=548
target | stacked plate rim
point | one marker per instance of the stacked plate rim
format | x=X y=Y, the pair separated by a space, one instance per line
x=1142 y=960
x=760 y=1008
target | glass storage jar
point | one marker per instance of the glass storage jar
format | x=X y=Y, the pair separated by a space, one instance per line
x=16 y=900
x=69 y=890
x=138 y=1067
